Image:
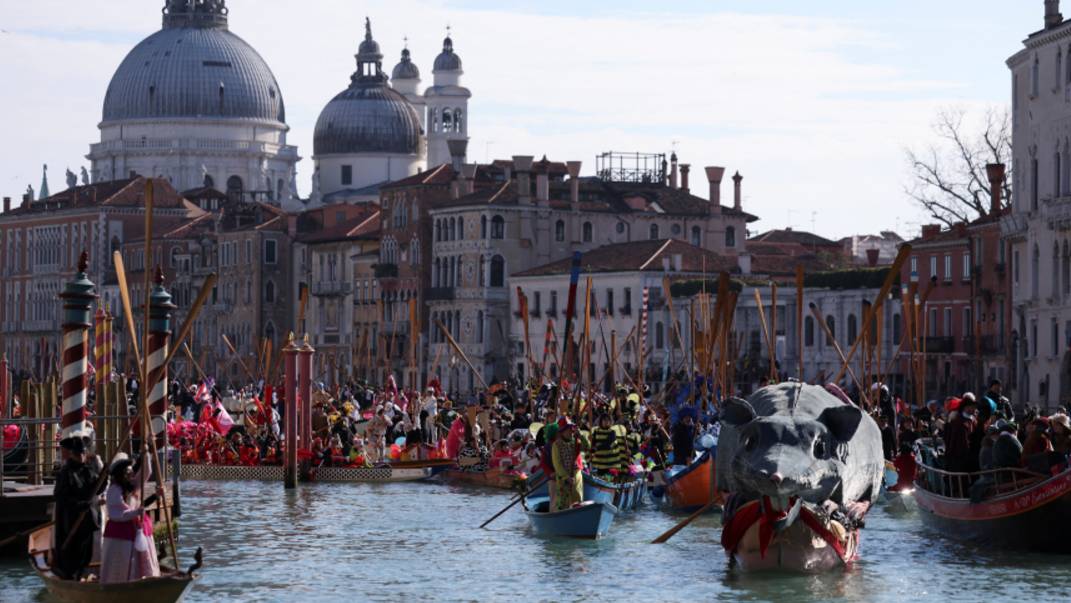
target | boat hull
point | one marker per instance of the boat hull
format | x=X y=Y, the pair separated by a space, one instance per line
x=693 y=487
x=797 y=550
x=625 y=497
x=1027 y=519
x=165 y=589
x=590 y=520
x=385 y=474
x=487 y=479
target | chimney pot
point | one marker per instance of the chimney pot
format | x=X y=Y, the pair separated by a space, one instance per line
x=685 y=168
x=26 y=200
x=7 y=204
x=714 y=176
x=573 y=168
x=995 y=172
x=673 y=170
x=1052 y=14
x=930 y=230
x=522 y=164
x=872 y=257
x=737 y=202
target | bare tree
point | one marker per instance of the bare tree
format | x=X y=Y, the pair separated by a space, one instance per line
x=949 y=178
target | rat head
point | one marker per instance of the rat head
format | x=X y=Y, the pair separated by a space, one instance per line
x=789 y=454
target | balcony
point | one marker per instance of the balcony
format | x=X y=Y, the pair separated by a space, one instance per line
x=990 y=345
x=332 y=288
x=940 y=345
x=439 y=294
x=386 y=270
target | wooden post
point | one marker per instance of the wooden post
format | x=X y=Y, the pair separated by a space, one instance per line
x=290 y=421
x=305 y=353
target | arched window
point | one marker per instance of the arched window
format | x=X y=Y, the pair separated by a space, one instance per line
x=587 y=234
x=730 y=236
x=451 y=230
x=438 y=230
x=559 y=231
x=448 y=121
x=697 y=236
x=481 y=269
x=853 y=328
x=435 y=282
x=498 y=228
x=498 y=271
x=269 y=293
x=653 y=232
x=832 y=324
x=483 y=227
x=457 y=121
x=234 y=187
x=460 y=228
x=808 y=331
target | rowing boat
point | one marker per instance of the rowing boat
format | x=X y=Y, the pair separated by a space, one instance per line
x=692 y=487
x=492 y=478
x=170 y=586
x=589 y=519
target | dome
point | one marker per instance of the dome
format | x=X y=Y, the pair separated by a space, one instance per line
x=194 y=67
x=369 y=116
x=406 y=69
x=447 y=60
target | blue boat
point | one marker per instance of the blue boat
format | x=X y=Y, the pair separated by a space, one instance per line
x=588 y=520
x=625 y=497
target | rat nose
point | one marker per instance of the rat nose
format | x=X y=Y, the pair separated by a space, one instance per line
x=776 y=478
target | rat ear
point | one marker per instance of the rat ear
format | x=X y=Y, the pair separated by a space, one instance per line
x=737 y=412
x=842 y=421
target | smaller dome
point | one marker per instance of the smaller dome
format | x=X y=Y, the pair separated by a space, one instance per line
x=369 y=48
x=405 y=69
x=447 y=59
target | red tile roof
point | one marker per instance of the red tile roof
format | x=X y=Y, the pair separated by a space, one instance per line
x=129 y=192
x=639 y=256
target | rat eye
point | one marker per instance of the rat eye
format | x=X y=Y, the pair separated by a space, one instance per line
x=750 y=441
x=819 y=448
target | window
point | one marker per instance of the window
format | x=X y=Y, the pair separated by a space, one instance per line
x=249 y=251
x=1034 y=77
x=460 y=228
x=896 y=328
x=620 y=228
x=853 y=328
x=483 y=227
x=967 y=266
x=269 y=293
x=587 y=232
x=932 y=328
x=627 y=308
x=697 y=236
x=948 y=267
x=933 y=266
x=730 y=236
x=347 y=174
x=538 y=306
x=1034 y=338
x=498 y=228
x=610 y=301
x=1055 y=338
x=832 y=324
x=653 y=231
x=270 y=251
x=553 y=310
x=947 y=324
x=660 y=336
x=479 y=326
x=967 y=327
x=438 y=231
x=559 y=231
x=234 y=187
x=498 y=271
x=914 y=266
x=808 y=331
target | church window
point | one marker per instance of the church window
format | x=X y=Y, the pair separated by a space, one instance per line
x=347 y=174
x=457 y=120
x=808 y=331
x=269 y=293
x=498 y=271
x=271 y=251
x=559 y=231
x=653 y=231
x=460 y=228
x=498 y=228
x=587 y=232
x=697 y=236
x=438 y=231
x=448 y=121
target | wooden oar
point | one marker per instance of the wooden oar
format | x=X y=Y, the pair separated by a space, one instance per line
x=683 y=523
x=519 y=498
x=18 y=535
x=840 y=352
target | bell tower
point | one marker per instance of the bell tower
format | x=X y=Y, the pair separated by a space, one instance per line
x=448 y=105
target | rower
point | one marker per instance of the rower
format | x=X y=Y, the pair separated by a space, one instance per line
x=75 y=493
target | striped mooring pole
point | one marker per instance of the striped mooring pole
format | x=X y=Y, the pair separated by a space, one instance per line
x=78 y=296
x=290 y=415
x=160 y=308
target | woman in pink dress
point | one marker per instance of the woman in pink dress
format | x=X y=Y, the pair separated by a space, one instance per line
x=128 y=552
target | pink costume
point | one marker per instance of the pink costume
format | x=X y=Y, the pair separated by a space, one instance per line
x=128 y=552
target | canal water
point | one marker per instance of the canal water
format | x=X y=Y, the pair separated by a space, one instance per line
x=420 y=542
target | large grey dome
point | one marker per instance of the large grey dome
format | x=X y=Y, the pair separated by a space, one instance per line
x=191 y=69
x=368 y=118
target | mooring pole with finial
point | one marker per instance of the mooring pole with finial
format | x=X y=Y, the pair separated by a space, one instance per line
x=160 y=308
x=290 y=418
x=78 y=297
x=305 y=352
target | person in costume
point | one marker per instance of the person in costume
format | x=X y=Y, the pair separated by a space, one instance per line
x=128 y=552
x=75 y=493
x=568 y=467
x=607 y=449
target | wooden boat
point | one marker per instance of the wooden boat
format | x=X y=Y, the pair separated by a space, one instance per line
x=627 y=496
x=171 y=586
x=1017 y=508
x=587 y=520
x=492 y=478
x=692 y=487
x=810 y=544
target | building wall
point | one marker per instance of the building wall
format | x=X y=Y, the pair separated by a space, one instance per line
x=366 y=169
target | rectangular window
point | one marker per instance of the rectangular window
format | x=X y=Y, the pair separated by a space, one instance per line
x=249 y=251
x=968 y=327
x=553 y=311
x=610 y=301
x=948 y=267
x=933 y=266
x=627 y=308
x=966 y=266
x=1034 y=338
x=347 y=174
x=931 y=331
x=538 y=299
x=1055 y=338
x=914 y=266
x=1015 y=268
x=948 y=322
x=270 y=251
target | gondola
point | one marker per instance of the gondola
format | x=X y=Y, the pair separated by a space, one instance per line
x=589 y=519
x=1015 y=509
x=692 y=487
x=170 y=586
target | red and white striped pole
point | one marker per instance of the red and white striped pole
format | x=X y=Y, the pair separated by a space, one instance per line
x=77 y=298
x=160 y=308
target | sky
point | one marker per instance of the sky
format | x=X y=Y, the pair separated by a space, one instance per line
x=814 y=102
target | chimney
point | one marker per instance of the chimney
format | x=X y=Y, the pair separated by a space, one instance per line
x=685 y=168
x=995 y=171
x=872 y=257
x=673 y=170
x=574 y=182
x=737 y=203
x=26 y=200
x=543 y=188
x=714 y=175
x=457 y=153
x=291 y=225
x=1052 y=14
x=522 y=164
x=7 y=204
x=930 y=230
x=468 y=178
